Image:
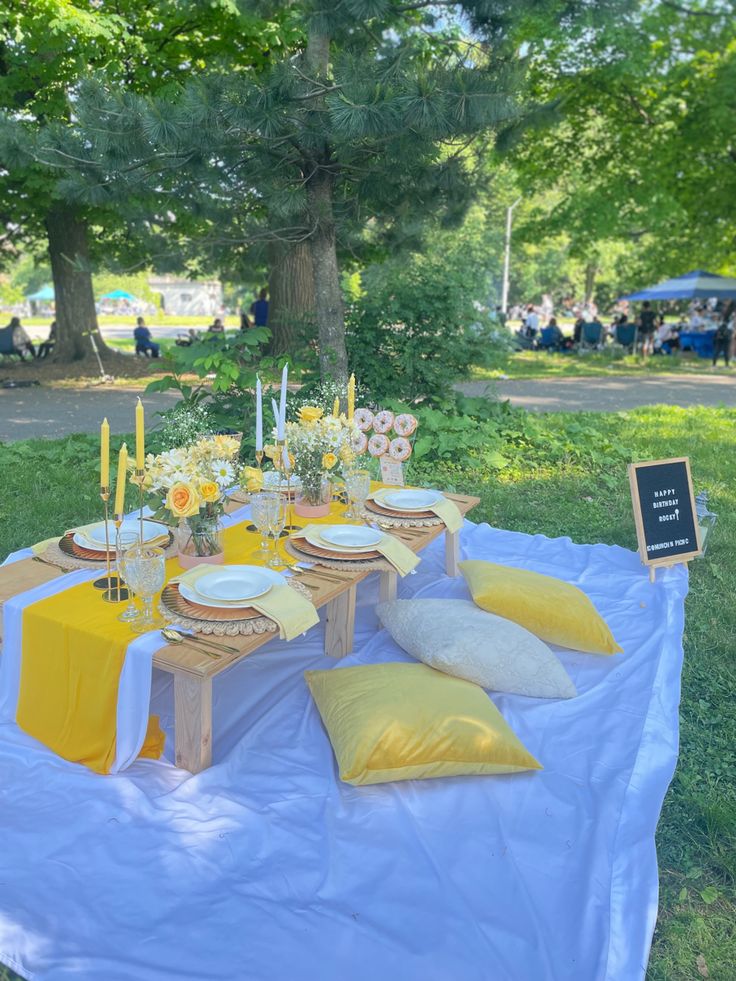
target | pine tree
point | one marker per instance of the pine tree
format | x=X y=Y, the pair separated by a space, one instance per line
x=360 y=126
x=47 y=48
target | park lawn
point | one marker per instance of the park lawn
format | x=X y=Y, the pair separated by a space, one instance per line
x=609 y=363
x=587 y=499
x=152 y=320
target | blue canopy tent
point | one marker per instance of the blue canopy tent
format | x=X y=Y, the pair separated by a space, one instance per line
x=693 y=285
x=118 y=295
x=44 y=295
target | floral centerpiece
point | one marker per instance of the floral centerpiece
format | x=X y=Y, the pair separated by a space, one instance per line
x=316 y=444
x=188 y=485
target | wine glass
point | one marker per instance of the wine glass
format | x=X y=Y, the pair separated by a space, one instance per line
x=145 y=571
x=276 y=521
x=260 y=506
x=124 y=541
x=358 y=487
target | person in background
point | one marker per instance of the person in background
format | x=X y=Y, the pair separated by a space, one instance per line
x=554 y=328
x=531 y=322
x=647 y=326
x=48 y=345
x=144 y=343
x=722 y=343
x=21 y=341
x=259 y=309
x=577 y=330
x=216 y=327
x=244 y=319
x=500 y=316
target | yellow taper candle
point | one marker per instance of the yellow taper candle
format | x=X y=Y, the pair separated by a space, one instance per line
x=140 y=438
x=105 y=454
x=351 y=398
x=121 y=478
x=336 y=407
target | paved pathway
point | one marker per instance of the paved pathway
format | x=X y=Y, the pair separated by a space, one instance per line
x=54 y=412
x=606 y=394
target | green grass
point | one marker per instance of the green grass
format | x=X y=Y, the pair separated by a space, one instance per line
x=155 y=320
x=585 y=496
x=609 y=363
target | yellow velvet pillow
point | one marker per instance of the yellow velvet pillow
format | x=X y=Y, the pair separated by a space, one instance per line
x=552 y=609
x=407 y=721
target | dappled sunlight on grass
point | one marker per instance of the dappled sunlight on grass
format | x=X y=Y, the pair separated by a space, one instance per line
x=540 y=364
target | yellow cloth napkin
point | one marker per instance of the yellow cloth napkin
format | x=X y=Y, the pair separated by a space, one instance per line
x=84 y=531
x=292 y=612
x=445 y=509
x=399 y=555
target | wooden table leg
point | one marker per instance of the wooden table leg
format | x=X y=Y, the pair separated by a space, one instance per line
x=388 y=584
x=340 y=625
x=192 y=722
x=452 y=552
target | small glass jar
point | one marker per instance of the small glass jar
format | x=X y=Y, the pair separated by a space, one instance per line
x=199 y=539
x=706 y=520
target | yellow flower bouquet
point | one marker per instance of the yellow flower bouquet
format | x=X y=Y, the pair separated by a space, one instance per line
x=188 y=486
x=317 y=443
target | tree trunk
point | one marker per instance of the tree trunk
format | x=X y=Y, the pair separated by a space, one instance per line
x=591 y=271
x=328 y=306
x=291 y=289
x=76 y=317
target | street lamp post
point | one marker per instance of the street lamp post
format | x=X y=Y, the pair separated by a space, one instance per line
x=507 y=258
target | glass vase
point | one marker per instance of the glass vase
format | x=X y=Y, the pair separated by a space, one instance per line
x=313 y=499
x=199 y=540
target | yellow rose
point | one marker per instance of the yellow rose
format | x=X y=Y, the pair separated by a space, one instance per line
x=310 y=413
x=182 y=500
x=329 y=460
x=209 y=491
x=251 y=479
x=272 y=452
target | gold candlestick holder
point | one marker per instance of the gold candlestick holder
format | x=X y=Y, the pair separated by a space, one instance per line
x=106 y=582
x=259 y=460
x=116 y=593
x=138 y=479
x=289 y=526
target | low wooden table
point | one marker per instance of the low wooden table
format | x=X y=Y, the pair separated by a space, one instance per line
x=193 y=672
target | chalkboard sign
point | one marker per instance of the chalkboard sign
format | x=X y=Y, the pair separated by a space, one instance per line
x=664 y=511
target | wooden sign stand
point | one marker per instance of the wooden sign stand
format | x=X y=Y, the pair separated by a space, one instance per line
x=673 y=559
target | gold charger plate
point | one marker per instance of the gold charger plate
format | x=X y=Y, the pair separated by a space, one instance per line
x=302 y=545
x=172 y=599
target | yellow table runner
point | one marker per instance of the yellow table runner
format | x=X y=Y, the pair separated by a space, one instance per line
x=73 y=650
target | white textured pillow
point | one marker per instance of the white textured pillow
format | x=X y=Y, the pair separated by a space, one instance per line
x=457 y=637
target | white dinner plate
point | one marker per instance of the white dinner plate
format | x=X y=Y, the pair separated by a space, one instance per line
x=350 y=536
x=410 y=500
x=190 y=592
x=316 y=539
x=272 y=481
x=94 y=538
x=233 y=584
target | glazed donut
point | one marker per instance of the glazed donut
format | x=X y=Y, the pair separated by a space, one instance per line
x=378 y=445
x=400 y=449
x=405 y=424
x=358 y=442
x=363 y=419
x=383 y=421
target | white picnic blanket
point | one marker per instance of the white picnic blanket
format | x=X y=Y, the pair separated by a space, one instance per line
x=267 y=868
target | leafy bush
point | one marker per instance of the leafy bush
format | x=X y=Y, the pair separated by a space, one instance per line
x=416 y=328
